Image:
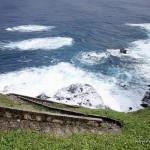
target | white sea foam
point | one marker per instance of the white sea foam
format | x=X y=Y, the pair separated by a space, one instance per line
x=92 y=57
x=145 y=26
x=142 y=49
x=129 y=55
x=39 y=43
x=30 y=28
x=25 y=61
x=138 y=49
x=49 y=80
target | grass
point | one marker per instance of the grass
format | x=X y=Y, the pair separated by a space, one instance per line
x=8 y=102
x=135 y=135
x=61 y=105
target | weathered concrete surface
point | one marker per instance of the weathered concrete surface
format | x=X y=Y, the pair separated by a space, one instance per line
x=35 y=101
x=14 y=119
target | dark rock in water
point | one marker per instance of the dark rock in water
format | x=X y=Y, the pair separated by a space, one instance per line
x=144 y=105
x=130 y=108
x=81 y=94
x=42 y=96
x=123 y=50
x=72 y=89
x=146 y=100
x=123 y=85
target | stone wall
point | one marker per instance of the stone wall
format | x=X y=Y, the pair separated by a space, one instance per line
x=14 y=119
x=44 y=104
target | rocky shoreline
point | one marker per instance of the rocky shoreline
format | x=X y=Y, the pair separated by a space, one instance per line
x=85 y=95
x=81 y=94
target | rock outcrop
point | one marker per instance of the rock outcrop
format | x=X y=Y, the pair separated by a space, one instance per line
x=123 y=50
x=42 y=96
x=81 y=94
x=146 y=100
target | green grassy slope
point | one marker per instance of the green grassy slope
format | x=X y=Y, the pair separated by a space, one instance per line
x=8 y=102
x=135 y=135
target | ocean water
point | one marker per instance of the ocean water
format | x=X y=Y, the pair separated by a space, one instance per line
x=47 y=45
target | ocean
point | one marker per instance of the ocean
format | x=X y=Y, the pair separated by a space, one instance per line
x=48 y=45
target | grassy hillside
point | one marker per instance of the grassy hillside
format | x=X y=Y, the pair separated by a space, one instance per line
x=8 y=102
x=135 y=135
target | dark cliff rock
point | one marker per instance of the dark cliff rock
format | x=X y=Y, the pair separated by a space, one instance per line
x=146 y=100
x=42 y=96
x=123 y=50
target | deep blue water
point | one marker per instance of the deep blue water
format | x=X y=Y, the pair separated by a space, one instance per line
x=95 y=25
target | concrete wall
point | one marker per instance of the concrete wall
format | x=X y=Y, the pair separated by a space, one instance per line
x=14 y=119
x=45 y=104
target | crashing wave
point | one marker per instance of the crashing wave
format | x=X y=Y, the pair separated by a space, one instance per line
x=30 y=28
x=145 y=26
x=49 y=80
x=137 y=53
x=92 y=58
x=39 y=43
x=129 y=55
